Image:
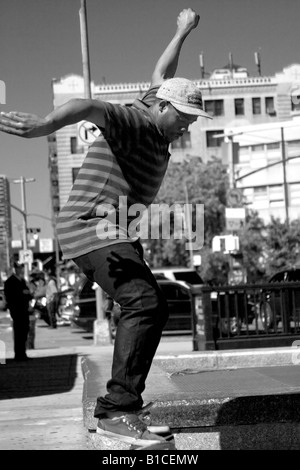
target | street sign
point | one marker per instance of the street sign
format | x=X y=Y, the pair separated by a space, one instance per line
x=234 y=197
x=235 y=218
x=25 y=256
x=46 y=245
x=225 y=243
x=88 y=132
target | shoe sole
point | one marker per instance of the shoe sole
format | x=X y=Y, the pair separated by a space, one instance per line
x=159 y=429
x=160 y=446
x=140 y=443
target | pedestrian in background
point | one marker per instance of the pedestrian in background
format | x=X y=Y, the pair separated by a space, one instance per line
x=18 y=297
x=30 y=344
x=51 y=291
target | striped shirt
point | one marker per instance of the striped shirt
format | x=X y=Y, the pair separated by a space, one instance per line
x=124 y=166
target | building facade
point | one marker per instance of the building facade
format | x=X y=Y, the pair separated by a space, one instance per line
x=267 y=168
x=230 y=95
x=5 y=224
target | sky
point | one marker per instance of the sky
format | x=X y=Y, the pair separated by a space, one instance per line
x=40 y=40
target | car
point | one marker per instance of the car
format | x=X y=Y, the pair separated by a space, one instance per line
x=2 y=300
x=275 y=303
x=178 y=295
x=233 y=311
x=225 y=306
x=64 y=301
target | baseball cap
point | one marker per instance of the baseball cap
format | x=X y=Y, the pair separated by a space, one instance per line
x=184 y=95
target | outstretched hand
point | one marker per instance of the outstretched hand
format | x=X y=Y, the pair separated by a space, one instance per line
x=23 y=124
x=187 y=20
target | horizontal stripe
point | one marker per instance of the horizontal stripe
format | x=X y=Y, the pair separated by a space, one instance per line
x=129 y=159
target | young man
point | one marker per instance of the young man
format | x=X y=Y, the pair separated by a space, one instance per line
x=125 y=166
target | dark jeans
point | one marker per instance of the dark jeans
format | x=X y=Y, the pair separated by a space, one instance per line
x=122 y=273
x=51 y=307
x=20 y=329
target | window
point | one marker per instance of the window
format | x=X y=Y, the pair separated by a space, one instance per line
x=295 y=100
x=74 y=173
x=73 y=144
x=214 y=107
x=269 y=103
x=184 y=142
x=257 y=148
x=256 y=106
x=175 y=292
x=295 y=194
x=276 y=195
x=211 y=141
x=260 y=192
x=294 y=144
x=239 y=106
x=244 y=154
x=74 y=147
x=273 y=145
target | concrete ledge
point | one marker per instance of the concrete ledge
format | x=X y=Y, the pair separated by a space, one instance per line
x=282 y=436
x=212 y=400
x=216 y=360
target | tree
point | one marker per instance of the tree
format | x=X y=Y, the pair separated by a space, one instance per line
x=205 y=184
x=283 y=244
x=253 y=243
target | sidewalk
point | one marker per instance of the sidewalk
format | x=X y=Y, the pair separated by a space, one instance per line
x=247 y=399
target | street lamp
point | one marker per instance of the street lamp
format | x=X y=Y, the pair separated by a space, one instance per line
x=22 y=181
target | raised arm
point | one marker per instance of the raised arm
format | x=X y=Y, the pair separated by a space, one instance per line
x=166 y=65
x=30 y=125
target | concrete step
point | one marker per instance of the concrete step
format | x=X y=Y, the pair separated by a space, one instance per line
x=210 y=408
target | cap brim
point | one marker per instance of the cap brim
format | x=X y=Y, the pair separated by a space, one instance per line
x=190 y=110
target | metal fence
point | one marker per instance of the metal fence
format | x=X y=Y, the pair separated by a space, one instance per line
x=256 y=315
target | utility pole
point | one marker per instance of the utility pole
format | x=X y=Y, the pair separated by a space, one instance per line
x=285 y=185
x=85 y=50
x=189 y=225
x=22 y=181
x=231 y=162
x=101 y=333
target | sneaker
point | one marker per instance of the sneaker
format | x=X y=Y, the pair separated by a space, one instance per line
x=128 y=428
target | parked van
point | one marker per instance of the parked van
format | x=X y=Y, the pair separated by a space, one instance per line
x=188 y=275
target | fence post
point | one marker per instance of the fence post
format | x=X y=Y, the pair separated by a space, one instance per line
x=203 y=337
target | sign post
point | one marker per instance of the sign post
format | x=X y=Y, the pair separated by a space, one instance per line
x=235 y=218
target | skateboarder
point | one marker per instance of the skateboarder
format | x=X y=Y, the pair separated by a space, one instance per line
x=124 y=166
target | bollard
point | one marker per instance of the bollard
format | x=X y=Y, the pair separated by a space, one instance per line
x=101 y=326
